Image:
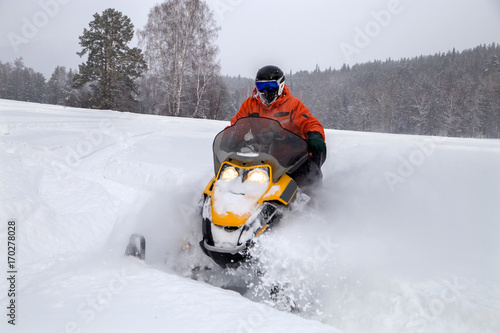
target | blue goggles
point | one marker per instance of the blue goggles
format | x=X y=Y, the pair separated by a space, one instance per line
x=267 y=86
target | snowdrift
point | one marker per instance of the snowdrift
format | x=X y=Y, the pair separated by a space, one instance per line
x=404 y=235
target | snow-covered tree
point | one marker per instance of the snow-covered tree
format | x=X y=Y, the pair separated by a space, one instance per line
x=56 y=87
x=179 y=47
x=21 y=83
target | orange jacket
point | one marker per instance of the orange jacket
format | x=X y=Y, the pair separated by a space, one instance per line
x=287 y=109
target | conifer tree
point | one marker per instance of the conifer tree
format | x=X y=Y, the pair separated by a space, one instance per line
x=112 y=66
x=56 y=86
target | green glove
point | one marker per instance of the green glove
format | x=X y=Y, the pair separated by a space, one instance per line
x=315 y=143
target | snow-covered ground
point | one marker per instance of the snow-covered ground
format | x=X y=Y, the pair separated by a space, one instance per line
x=404 y=236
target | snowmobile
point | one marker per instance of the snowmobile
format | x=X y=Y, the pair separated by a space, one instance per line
x=251 y=188
x=250 y=191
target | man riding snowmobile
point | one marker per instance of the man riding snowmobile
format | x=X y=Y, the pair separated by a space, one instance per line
x=263 y=162
x=271 y=98
x=273 y=141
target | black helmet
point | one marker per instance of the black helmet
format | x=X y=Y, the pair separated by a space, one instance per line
x=270 y=81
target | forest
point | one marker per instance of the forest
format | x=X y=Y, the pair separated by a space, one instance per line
x=448 y=94
x=456 y=93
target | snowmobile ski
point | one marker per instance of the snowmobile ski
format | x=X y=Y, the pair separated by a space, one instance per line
x=136 y=246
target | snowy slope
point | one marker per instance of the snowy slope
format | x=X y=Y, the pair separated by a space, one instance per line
x=404 y=236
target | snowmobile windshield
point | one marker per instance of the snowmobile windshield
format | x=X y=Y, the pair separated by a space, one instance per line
x=258 y=140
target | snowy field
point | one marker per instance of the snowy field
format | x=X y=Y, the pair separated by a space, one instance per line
x=403 y=237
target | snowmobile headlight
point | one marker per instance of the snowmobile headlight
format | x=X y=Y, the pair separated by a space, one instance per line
x=229 y=174
x=258 y=176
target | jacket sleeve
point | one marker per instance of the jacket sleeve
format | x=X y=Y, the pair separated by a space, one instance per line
x=306 y=121
x=243 y=112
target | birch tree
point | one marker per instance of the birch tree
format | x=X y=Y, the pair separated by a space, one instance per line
x=178 y=42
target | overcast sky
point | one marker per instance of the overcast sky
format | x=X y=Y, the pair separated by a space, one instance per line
x=293 y=34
